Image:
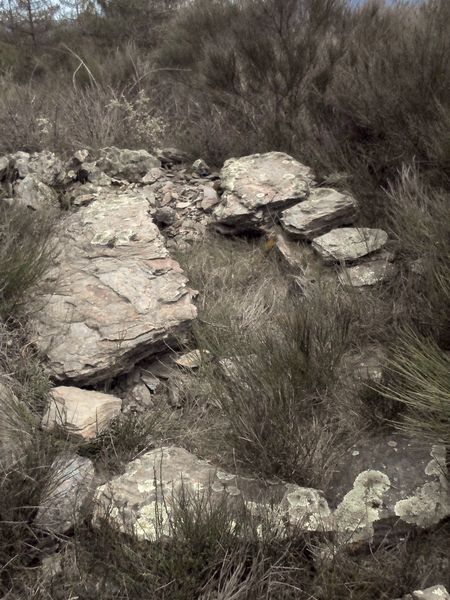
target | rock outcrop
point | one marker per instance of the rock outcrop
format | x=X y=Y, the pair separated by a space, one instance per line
x=117 y=295
x=130 y=165
x=256 y=188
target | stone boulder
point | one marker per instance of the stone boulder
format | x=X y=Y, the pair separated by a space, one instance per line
x=130 y=165
x=81 y=412
x=257 y=186
x=143 y=498
x=324 y=209
x=45 y=166
x=67 y=491
x=34 y=194
x=349 y=244
x=117 y=296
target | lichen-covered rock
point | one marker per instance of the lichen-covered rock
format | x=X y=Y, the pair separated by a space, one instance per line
x=349 y=243
x=33 y=193
x=130 y=165
x=67 y=491
x=395 y=484
x=117 y=295
x=324 y=209
x=367 y=274
x=437 y=592
x=143 y=498
x=256 y=186
x=80 y=412
x=45 y=166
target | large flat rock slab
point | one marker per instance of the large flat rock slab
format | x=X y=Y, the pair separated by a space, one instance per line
x=142 y=500
x=117 y=296
x=325 y=209
x=390 y=484
x=258 y=185
x=80 y=412
x=349 y=244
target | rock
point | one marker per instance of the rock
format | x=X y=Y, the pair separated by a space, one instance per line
x=172 y=156
x=45 y=166
x=395 y=485
x=165 y=216
x=130 y=165
x=139 y=396
x=349 y=243
x=68 y=489
x=34 y=194
x=200 y=168
x=437 y=592
x=193 y=359
x=324 y=209
x=4 y=166
x=256 y=186
x=367 y=274
x=16 y=426
x=80 y=412
x=117 y=295
x=143 y=498
x=209 y=198
x=366 y=365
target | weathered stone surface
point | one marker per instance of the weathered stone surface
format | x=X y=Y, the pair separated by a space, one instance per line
x=200 y=168
x=34 y=194
x=394 y=484
x=367 y=274
x=169 y=155
x=210 y=199
x=117 y=298
x=437 y=592
x=150 y=486
x=257 y=185
x=80 y=412
x=130 y=165
x=16 y=424
x=68 y=489
x=349 y=243
x=192 y=359
x=324 y=209
x=45 y=166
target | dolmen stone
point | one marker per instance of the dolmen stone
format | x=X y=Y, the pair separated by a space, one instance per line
x=349 y=244
x=80 y=412
x=114 y=295
x=324 y=209
x=257 y=186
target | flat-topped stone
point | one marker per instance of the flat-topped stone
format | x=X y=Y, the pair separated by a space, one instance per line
x=116 y=295
x=349 y=244
x=324 y=209
x=255 y=186
x=80 y=412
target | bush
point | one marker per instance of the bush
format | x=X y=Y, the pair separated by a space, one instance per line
x=420 y=380
x=27 y=252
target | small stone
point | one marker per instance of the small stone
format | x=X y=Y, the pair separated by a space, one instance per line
x=200 y=168
x=165 y=216
x=80 y=412
x=193 y=359
x=209 y=199
x=349 y=243
x=324 y=209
